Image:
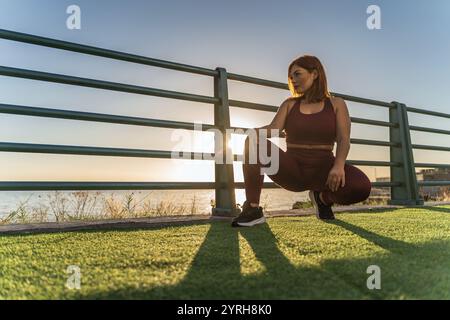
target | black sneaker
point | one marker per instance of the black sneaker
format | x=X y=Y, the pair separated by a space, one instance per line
x=323 y=211
x=249 y=217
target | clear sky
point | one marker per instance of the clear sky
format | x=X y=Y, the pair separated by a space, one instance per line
x=407 y=60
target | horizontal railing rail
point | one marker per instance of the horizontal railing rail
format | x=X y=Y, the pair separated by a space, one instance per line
x=139 y=153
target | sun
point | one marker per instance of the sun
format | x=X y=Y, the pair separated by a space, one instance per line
x=237 y=143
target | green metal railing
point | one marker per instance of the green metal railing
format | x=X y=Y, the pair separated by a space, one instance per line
x=404 y=185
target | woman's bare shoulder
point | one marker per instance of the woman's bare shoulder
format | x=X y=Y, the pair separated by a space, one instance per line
x=338 y=99
x=335 y=102
x=290 y=101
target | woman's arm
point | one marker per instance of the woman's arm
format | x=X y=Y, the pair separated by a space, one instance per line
x=278 y=121
x=343 y=125
x=336 y=176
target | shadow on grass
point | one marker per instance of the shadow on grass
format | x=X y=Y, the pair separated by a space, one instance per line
x=389 y=244
x=119 y=227
x=408 y=271
x=384 y=210
x=368 y=210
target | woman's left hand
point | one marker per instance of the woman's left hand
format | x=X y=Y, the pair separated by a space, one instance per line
x=336 y=177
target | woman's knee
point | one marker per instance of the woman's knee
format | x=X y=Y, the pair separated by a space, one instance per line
x=257 y=144
x=362 y=188
x=254 y=149
x=247 y=143
x=255 y=139
x=358 y=182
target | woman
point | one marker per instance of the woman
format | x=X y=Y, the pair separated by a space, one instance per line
x=312 y=120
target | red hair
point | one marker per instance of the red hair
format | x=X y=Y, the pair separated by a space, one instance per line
x=319 y=89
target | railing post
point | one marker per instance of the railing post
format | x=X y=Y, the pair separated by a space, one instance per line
x=408 y=192
x=224 y=175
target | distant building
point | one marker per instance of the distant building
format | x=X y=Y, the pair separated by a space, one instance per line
x=434 y=192
x=434 y=174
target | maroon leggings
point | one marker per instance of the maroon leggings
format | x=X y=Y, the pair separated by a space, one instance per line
x=304 y=169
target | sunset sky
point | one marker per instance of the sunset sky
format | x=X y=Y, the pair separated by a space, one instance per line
x=407 y=60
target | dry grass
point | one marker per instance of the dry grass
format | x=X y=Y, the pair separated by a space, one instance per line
x=84 y=205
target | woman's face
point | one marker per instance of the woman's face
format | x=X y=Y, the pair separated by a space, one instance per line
x=302 y=79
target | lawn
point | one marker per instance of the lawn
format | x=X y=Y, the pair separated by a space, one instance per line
x=287 y=258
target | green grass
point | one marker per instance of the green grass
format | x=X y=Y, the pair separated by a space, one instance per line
x=287 y=258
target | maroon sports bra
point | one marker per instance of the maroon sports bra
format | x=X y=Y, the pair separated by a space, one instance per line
x=314 y=128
